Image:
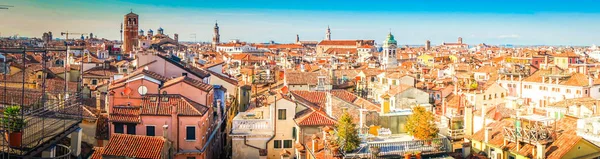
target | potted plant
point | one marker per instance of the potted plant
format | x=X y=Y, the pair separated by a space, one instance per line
x=375 y=150
x=14 y=125
x=407 y=155
x=436 y=144
x=418 y=154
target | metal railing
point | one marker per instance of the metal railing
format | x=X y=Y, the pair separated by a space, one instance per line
x=60 y=152
x=49 y=104
x=399 y=148
x=456 y=133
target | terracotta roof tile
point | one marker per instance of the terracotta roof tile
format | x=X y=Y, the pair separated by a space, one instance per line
x=316 y=118
x=127 y=114
x=123 y=145
x=314 y=97
x=193 y=82
x=338 y=42
x=344 y=95
x=156 y=105
x=563 y=142
x=98 y=151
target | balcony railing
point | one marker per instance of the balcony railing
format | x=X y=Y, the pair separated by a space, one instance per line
x=399 y=148
x=588 y=135
x=456 y=133
x=49 y=105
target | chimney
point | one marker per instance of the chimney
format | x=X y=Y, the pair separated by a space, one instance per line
x=98 y=103
x=590 y=80
x=315 y=143
x=328 y=104
x=176 y=38
x=487 y=134
x=165 y=131
x=595 y=108
x=541 y=149
x=466 y=149
x=546 y=61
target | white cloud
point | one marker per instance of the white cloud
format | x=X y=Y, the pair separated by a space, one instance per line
x=510 y=36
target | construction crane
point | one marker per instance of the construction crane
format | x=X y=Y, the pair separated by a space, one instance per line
x=5 y=6
x=68 y=33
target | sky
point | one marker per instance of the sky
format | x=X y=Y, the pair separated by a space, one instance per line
x=531 y=22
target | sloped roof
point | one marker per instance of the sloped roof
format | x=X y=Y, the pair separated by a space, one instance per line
x=193 y=82
x=156 y=105
x=138 y=146
x=563 y=142
x=126 y=114
x=316 y=118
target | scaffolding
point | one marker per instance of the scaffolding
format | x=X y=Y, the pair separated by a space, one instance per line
x=49 y=104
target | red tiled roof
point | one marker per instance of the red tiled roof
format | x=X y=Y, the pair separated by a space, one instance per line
x=123 y=145
x=564 y=141
x=344 y=95
x=341 y=51
x=127 y=114
x=314 y=97
x=302 y=78
x=120 y=82
x=193 y=82
x=154 y=105
x=337 y=42
x=316 y=118
x=98 y=151
x=224 y=78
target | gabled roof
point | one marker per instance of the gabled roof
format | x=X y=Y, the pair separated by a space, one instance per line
x=135 y=146
x=313 y=97
x=121 y=82
x=316 y=118
x=156 y=105
x=190 y=81
x=193 y=70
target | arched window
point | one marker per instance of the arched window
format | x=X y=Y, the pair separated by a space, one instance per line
x=495 y=95
x=501 y=95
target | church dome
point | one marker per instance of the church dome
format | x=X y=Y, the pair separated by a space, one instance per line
x=389 y=40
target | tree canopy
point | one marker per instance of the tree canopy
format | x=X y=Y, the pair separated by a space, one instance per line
x=421 y=124
x=347 y=133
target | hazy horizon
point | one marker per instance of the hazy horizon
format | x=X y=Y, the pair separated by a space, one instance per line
x=412 y=23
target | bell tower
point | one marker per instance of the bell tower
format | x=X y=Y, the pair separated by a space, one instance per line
x=216 y=36
x=388 y=59
x=130 y=33
x=328 y=34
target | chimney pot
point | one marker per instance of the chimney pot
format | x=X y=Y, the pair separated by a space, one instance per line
x=487 y=133
x=165 y=133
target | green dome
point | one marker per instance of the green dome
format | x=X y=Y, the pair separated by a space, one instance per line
x=390 y=40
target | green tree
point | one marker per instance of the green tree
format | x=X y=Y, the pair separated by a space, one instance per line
x=347 y=133
x=421 y=124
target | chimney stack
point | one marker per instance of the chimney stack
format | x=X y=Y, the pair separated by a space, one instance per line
x=487 y=134
x=165 y=131
x=541 y=149
x=98 y=102
x=315 y=142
